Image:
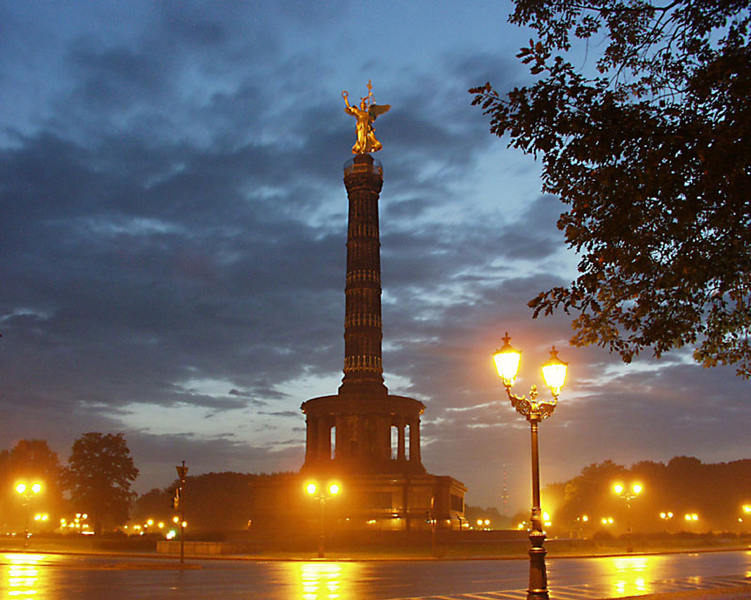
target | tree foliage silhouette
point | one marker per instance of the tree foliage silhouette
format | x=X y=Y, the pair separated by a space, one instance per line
x=650 y=149
x=99 y=476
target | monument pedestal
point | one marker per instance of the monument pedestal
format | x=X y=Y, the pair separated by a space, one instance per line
x=378 y=502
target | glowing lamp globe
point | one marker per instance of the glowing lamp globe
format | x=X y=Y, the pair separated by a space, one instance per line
x=507 y=361
x=311 y=488
x=334 y=489
x=554 y=372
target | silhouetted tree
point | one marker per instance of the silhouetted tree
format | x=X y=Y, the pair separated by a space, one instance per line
x=649 y=148
x=154 y=504
x=588 y=493
x=99 y=476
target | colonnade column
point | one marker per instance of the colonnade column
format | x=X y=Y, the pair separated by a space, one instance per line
x=324 y=439
x=400 y=454
x=309 y=439
x=414 y=441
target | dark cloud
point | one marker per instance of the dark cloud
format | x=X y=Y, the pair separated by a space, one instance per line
x=284 y=413
x=533 y=236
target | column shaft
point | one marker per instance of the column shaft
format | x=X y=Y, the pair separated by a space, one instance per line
x=363 y=368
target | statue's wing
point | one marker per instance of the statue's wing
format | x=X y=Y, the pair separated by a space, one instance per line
x=378 y=109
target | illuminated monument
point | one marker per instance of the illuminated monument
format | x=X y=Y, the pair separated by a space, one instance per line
x=363 y=434
x=363 y=437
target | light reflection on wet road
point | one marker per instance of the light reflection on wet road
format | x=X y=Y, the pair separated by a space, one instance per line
x=26 y=576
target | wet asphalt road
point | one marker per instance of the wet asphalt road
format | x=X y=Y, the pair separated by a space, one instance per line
x=52 y=577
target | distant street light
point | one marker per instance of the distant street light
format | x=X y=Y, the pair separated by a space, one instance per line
x=667 y=516
x=579 y=526
x=315 y=490
x=743 y=515
x=27 y=491
x=690 y=517
x=554 y=373
x=628 y=496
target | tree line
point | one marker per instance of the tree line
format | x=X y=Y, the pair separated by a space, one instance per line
x=96 y=481
x=713 y=496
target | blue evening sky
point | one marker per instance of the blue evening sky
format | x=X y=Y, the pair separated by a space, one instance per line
x=173 y=243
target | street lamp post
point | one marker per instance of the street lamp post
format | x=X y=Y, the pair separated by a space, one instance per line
x=628 y=496
x=313 y=489
x=554 y=374
x=27 y=492
x=179 y=503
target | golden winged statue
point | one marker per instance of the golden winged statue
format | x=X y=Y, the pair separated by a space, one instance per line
x=366 y=113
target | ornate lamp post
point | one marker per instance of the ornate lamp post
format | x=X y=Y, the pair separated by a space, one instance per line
x=628 y=496
x=313 y=489
x=27 y=491
x=554 y=373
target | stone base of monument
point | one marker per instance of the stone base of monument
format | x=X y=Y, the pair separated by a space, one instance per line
x=383 y=502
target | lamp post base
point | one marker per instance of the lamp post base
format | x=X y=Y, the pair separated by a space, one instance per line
x=538 y=577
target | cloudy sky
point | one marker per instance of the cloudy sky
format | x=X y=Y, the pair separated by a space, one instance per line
x=172 y=243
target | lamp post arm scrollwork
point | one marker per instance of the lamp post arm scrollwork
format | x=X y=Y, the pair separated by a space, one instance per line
x=530 y=408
